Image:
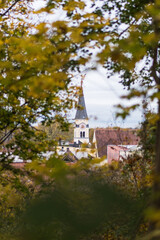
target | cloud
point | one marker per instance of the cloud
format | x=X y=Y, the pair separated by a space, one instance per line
x=101 y=96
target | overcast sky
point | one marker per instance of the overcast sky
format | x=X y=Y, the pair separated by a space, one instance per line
x=101 y=96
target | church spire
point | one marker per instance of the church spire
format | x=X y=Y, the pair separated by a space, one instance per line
x=81 y=129
x=81 y=109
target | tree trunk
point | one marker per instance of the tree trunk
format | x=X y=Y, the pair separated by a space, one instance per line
x=155 y=224
x=157 y=163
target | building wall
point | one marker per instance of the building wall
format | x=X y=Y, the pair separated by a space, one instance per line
x=95 y=143
x=81 y=131
x=78 y=152
x=114 y=152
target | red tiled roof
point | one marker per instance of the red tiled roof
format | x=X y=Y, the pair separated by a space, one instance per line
x=106 y=137
x=18 y=164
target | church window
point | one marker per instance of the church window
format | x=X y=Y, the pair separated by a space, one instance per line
x=84 y=134
x=77 y=125
x=81 y=134
x=87 y=125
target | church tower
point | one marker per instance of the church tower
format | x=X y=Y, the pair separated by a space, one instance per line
x=81 y=129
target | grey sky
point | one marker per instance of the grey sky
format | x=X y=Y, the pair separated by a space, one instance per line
x=101 y=96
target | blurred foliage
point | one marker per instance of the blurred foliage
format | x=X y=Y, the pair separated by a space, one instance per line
x=34 y=78
x=36 y=66
x=16 y=189
x=79 y=207
x=55 y=132
x=77 y=201
x=147 y=134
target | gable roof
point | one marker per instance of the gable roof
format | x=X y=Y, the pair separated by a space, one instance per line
x=69 y=157
x=81 y=109
x=108 y=136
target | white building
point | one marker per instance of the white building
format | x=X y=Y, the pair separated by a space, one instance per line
x=80 y=147
x=81 y=129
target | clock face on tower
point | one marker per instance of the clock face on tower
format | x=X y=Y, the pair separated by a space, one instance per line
x=82 y=126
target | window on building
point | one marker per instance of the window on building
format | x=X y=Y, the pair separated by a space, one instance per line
x=77 y=125
x=83 y=134
x=87 y=125
x=80 y=134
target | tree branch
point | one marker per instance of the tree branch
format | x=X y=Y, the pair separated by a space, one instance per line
x=8 y=9
x=4 y=138
x=154 y=66
x=36 y=129
x=125 y=30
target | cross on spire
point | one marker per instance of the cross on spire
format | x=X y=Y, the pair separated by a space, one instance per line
x=82 y=79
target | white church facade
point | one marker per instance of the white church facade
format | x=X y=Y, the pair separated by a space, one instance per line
x=81 y=127
x=80 y=147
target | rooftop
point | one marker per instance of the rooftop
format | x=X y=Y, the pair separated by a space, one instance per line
x=106 y=137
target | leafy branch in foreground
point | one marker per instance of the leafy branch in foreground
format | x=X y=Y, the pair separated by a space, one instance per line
x=33 y=82
x=79 y=208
